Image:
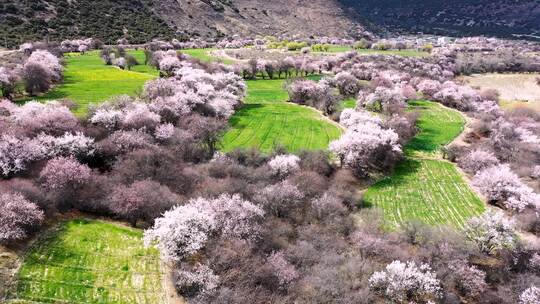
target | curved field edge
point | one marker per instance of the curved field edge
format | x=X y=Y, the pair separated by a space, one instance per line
x=87 y=80
x=89 y=261
x=423 y=187
x=267 y=121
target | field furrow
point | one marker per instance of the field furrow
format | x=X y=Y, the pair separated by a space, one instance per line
x=423 y=186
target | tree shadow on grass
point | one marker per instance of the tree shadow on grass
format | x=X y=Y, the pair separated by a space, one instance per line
x=404 y=172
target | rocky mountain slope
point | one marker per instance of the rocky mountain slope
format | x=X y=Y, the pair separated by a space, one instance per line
x=142 y=20
x=457 y=17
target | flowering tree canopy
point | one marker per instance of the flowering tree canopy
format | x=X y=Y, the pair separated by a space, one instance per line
x=401 y=282
x=531 y=295
x=64 y=172
x=17 y=215
x=283 y=165
x=501 y=185
x=185 y=230
x=492 y=231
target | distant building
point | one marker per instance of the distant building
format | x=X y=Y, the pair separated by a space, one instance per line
x=443 y=41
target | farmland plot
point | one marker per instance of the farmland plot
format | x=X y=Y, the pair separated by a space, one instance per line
x=267 y=121
x=423 y=186
x=432 y=191
x=86 y=261
x=87 y=80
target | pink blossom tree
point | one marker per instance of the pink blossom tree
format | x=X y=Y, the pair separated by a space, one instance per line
x=478 y=160
x=197 y=280
x=181 y=232
x=17 y=217
x=327 y=205
x=51 y=118
x=17 y=153
x=501 y=186
x=280 y=199
x=492 y=232
x=531 y=295
x=366 y=147
x=164 y=131
x=469 y=280
x=8 y=80
x=169 y=64
x=347 y=84
x=143 y=200
x=186 y=229
x=283 y=165
x=284 y=271
x=404 y=282
x=63 y=172
x=384 y=100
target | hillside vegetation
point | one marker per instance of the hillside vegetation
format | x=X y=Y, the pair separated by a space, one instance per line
x=27 y=20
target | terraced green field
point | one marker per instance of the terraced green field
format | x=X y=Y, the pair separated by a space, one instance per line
x=437 y=125
x=424 y=187
x=266 y=121
x=87 y=261
x=88 y=80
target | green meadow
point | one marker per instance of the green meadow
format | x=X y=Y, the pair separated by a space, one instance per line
x=87 y=80
x=424 y=187
x=90 y=261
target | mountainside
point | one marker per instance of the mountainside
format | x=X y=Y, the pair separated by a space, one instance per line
x=458 y=17
x=142 y=20
x=247 y=17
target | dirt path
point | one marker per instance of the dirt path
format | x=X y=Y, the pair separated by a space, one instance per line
x=171 y=295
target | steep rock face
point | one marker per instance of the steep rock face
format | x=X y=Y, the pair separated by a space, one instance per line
x=458 y=17
x=248 y=17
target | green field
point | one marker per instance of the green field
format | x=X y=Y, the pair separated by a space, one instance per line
x=437 y=125
x=404 y=53
x=86 y=261
x=349 y=103
x=266 y=121
x=204 y=55
x=424 y=187
x=87 y=80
